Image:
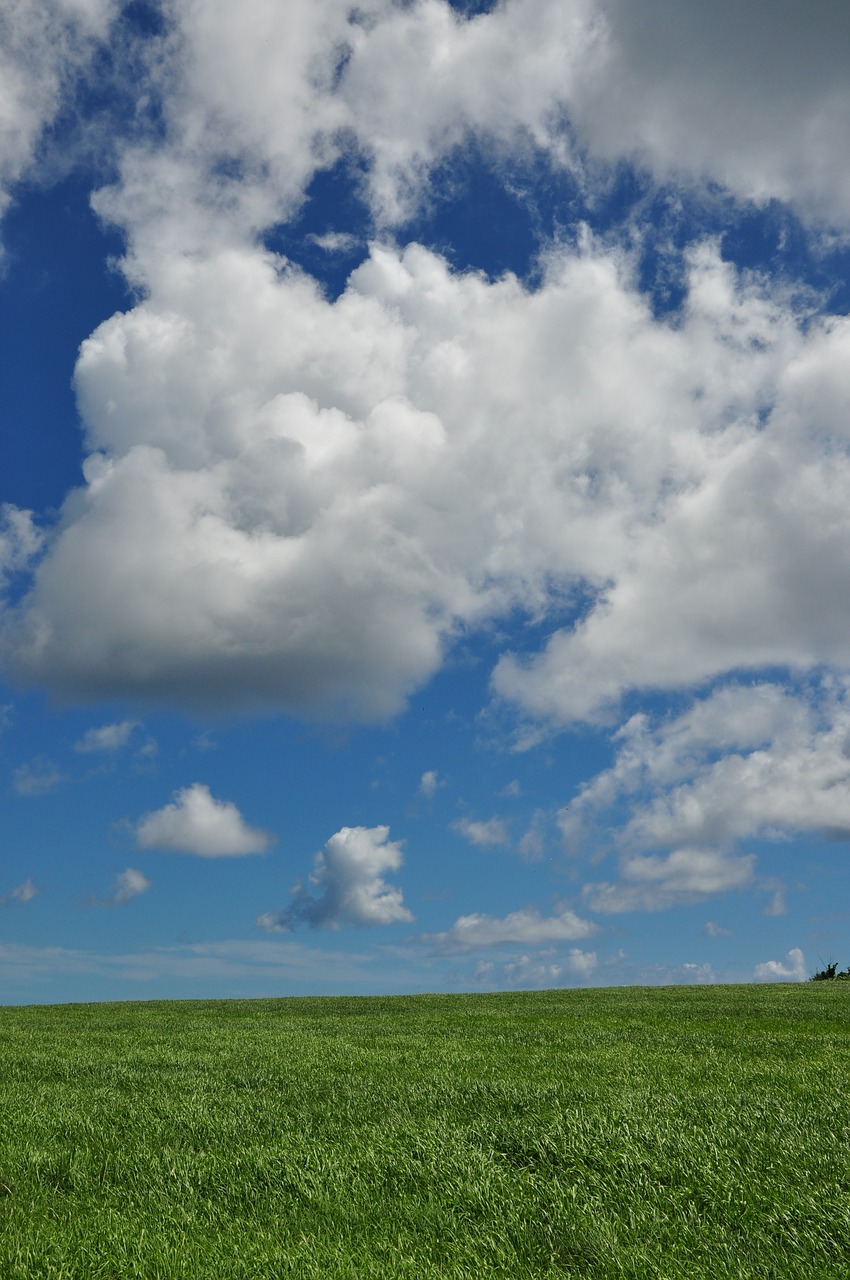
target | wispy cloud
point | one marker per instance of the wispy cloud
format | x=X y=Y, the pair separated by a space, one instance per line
x=36 y=777
x=213 y=962
x=21 y=894
x=533 y=841
x=335 y=242
x=712 y=929
x=526 y=926
x=107 y=737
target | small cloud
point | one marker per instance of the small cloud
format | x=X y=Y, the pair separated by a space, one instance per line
x=712 y=929
x=197 y=823
x=776 y=905
x=148 y=749
x=335 y=242
x=108 y=737
x=492 y=832
x=128 y=885
x=526 y=926
x=36 y=777
x=702 y=974
x=535 y=971
x=21 y=894
x=513 y=790
x=349 y=875
x=533 y=842
x=429 y=783
x=793 y=970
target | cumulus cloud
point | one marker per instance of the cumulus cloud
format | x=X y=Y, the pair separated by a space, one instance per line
x=106 y=737
x=293 y=502
x=195 y=822
x=526 y=926
x=748 y=760
x=754 y=100
x=297 y=503
x=793 y=969
x=751 y=97
x=349 y=877
x=484 y=834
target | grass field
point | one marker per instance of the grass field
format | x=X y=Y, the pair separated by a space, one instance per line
x=641 y=1132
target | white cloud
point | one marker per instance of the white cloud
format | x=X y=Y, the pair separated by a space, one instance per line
x=106 y=737
x=525 y=926
x=750 y=98
x=484 y=834
x=352 y=891
x=422 y=81
x=21 y=894
x=129 y=884
x=195 y=822
x=754 y=96
x=698 y=973
x=294 y=503
x=533 y=841
x=713 y=929
x=212 y=962
x=20 y=539
x=335 y=242
x=36 y=777
x=655 y=883
x=792 y=970
x=746 y=761
x=534 y=971
x=45 y=45
x=776 y=905
x=429 y=783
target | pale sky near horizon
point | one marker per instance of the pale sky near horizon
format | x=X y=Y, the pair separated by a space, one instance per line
x=424 y=470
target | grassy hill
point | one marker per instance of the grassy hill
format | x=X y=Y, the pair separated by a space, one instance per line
x=637 y=1132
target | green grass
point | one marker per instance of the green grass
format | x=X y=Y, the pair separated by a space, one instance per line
x=660 y=1132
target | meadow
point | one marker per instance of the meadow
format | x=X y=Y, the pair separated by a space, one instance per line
x=632 y=1132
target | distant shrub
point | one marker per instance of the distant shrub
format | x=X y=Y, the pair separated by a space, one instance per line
x=830 y=974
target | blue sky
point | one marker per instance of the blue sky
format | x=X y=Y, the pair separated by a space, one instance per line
x=425 y=551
